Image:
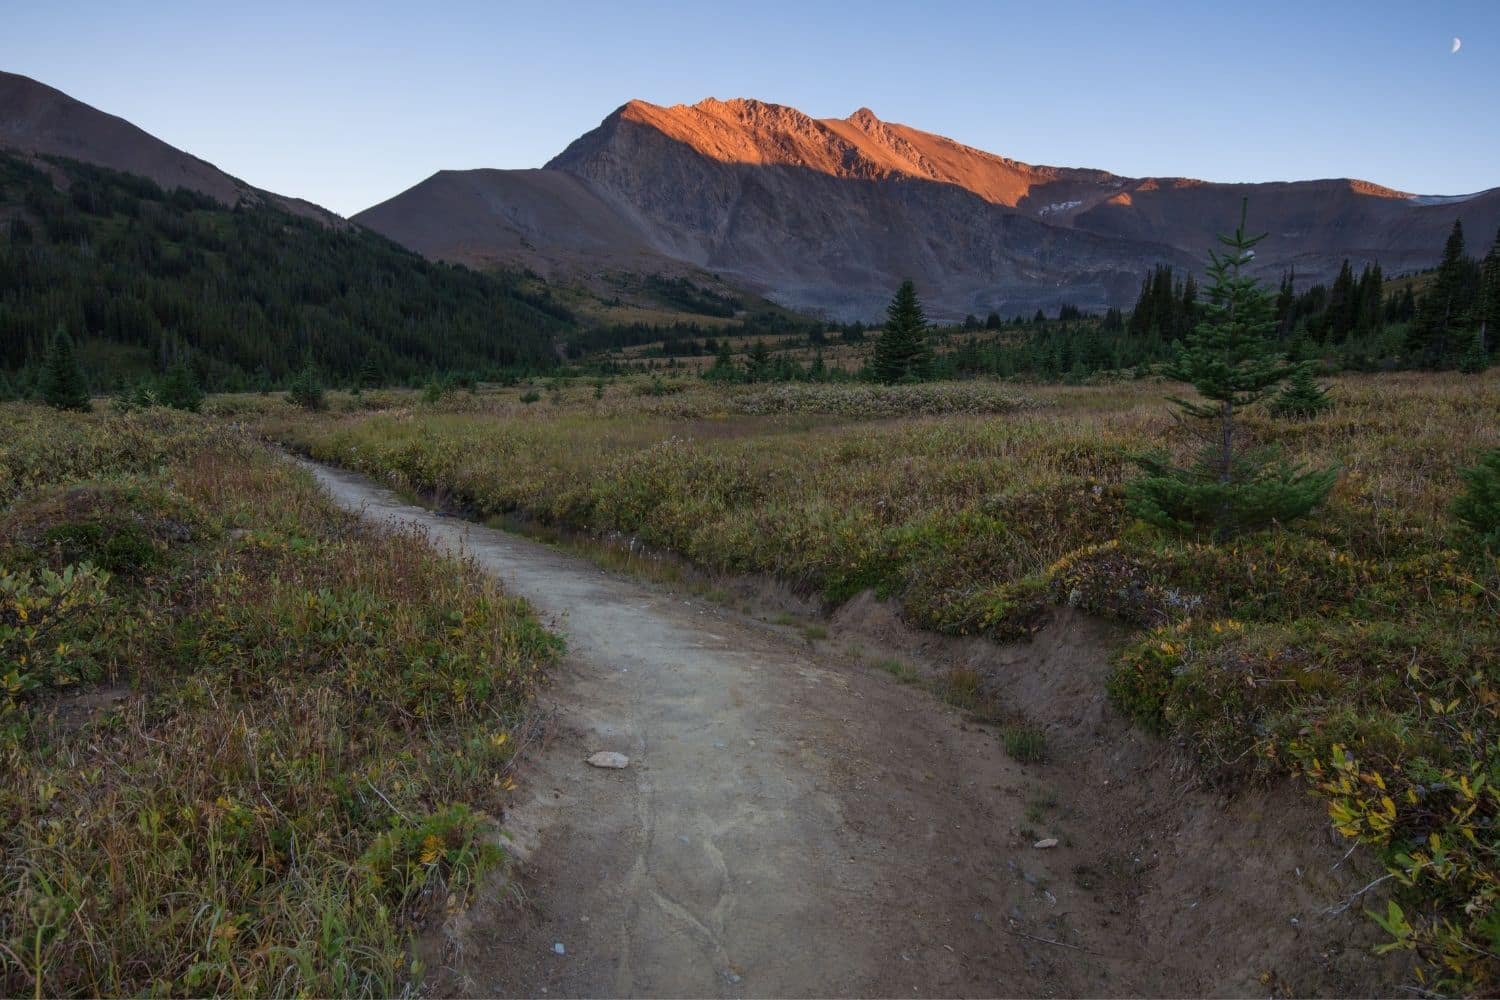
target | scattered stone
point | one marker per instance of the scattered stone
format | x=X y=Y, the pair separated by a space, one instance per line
x=609 y=759
x=558 y=949
x=1045 y=843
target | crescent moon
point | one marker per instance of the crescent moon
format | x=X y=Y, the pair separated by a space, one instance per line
x=1458 y=43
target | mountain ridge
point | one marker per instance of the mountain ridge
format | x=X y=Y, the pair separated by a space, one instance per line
x=40 y=120
x=829 y=214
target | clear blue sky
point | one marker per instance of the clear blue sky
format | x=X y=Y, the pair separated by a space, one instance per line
x=350 y=103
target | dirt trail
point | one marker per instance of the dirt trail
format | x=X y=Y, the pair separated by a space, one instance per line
x=792 y=824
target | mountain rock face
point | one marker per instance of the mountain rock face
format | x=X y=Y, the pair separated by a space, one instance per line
x=39 y=120
x=831 y=214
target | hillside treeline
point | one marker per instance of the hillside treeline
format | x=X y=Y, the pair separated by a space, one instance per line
x=142 y=278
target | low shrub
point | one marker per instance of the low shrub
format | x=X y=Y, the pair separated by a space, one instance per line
x=306 y=728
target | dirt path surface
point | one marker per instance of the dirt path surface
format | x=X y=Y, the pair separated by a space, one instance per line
x=794 y=825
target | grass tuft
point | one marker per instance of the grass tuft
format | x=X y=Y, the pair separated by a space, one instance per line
x=1025 y=744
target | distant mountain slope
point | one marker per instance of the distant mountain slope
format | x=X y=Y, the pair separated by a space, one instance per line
x=142 y=277
x=832 y=213
x=38 y=119
x=547 y=220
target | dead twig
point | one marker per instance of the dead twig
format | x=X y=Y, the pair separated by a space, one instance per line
x=1058 y=944
x=1336 y=910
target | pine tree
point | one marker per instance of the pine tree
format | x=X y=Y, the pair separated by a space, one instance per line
x=1488 y=309
x=1301 y=397
x=1445 y=306
x=63 y=384
x=817 y=371
x=179 y=389
x=1475 y=358
x=1343 y=305
x=307 y=390
x=1371 y=291
x=1229 y=359
x=1286 y=305
x=368 y=376
x=758 y=362
x=722 y=370
x=1478 y=507
x=902 y=353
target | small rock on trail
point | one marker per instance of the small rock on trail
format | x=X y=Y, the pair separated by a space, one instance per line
x=609 y=759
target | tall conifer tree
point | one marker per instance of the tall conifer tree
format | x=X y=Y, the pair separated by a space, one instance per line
x=902 y=353
x=1489 y=299
x=1444 y=309
x=63 y=384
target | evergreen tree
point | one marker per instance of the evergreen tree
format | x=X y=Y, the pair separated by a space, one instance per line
x=1371 y=289
x=63 y=384
x=1444 y=309
x=722 y=370
x=307 y=390
x=1301 y=397
x=1230 y=361
x=179 y=389
x=902 y=353
x=758 y=363
x=1489 y=299
x=1286 y=305
x=1478 y=507
x=1343 y=305
x=1475 y=358
x=368 y=376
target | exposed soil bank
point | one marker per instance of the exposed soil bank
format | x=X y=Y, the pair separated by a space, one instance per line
x=794 y=823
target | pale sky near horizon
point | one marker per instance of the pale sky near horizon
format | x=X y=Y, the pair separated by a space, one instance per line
x=347 y=104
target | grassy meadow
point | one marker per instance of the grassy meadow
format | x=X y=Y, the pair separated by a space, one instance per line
x=1358 y=649
x=246 y=745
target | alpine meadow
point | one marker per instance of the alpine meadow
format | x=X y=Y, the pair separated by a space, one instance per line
x=750 y=554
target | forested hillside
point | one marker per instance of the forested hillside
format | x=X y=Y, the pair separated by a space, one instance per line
x=143 y=278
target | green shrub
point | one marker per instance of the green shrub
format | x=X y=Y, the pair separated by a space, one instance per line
x=307 y=390
x=1140 y=684
x=50 y=624
x=446 y=851
x=1478 y=507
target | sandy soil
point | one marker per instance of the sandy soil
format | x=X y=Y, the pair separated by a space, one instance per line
x=795 y=823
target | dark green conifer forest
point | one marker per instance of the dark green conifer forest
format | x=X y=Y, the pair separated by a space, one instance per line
x=142 y=279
